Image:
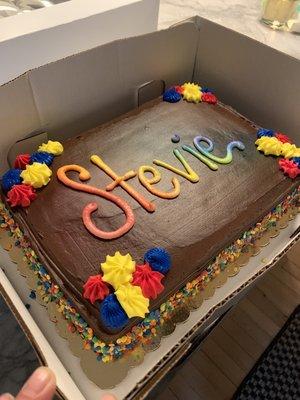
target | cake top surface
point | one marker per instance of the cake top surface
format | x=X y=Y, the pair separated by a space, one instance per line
x=211 y=208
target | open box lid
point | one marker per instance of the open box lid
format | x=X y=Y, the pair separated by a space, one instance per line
x=31 y=39
x=82 y=91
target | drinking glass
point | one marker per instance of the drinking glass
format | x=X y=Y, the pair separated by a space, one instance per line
x=276 y=13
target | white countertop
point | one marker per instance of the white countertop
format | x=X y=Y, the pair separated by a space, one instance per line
x=241 y=15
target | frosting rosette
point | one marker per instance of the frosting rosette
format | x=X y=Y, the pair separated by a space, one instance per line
x=95 y=289
x=21 y=195
x=171 y=96
x=283 y=138
x=21 y=161
x=264 y=132
x=297 y=153
x=112 y=314
x=132 y=300
x=192 y=92
x=179 y=89
x=269 y=145
x=289 y=150
x=36 y=175
x=207 y=90
x=158 y=259
x=297 y=161
x=209 y=98
x=42 y=157
x=148 y=280
x=10 y=178
x=55 y=148
x=118 y=269
x=289 y=167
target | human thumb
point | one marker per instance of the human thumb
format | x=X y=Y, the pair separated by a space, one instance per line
x=40 y=386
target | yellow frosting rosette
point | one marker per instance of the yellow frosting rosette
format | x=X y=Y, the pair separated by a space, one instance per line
x=118 y=269
x=290 y=150
x=132 y=300
x=36 y=175
x=269 y=145
x=191 y=92
x=55 y=148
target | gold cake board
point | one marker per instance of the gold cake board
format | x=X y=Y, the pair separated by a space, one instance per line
x=108 y=375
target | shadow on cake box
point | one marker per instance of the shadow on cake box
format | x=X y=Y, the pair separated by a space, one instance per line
x=80 y=92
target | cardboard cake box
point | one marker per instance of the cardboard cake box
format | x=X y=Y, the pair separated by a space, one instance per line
x=74 y=94
x=44 y=353
x=35 y=38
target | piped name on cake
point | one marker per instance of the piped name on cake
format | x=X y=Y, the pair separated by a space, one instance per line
x=201 y=152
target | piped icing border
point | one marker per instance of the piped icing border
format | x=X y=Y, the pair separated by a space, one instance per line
x=191 y=92
x=148 y=328
x=278 y=144
x=125 y=288
x=30 y=172
x=269 y=141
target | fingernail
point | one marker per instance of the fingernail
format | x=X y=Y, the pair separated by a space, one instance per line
x=107 y=397
x=37 y=382
x=6 y=396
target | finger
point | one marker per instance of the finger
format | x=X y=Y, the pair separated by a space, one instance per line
x=6 y=396
x=107 y=397
x=40 y=386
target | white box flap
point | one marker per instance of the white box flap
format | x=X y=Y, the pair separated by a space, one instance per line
x=258 y=81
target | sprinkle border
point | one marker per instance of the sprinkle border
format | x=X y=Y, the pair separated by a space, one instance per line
x=147 y=329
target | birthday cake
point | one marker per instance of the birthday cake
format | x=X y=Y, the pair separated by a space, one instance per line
x=124 y=222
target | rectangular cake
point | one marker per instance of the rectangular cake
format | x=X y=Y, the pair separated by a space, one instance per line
x=144 y=210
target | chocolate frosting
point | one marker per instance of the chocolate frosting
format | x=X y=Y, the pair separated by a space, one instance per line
x=205 y=218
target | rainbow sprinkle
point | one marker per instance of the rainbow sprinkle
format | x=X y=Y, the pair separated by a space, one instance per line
x=147 y=329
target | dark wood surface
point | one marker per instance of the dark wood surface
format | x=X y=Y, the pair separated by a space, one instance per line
x=225 y=357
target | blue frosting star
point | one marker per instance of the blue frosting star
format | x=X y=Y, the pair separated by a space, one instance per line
x=171 y=96
x=10 y=178
x=158 y=259
x=112 y=314
x=206 y=90
x=297 y=161
x=42 y=157
x=264 y=132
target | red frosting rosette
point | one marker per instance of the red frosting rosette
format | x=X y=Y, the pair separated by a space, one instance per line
x=21 y=195
x=179 y=89
x=209 y=98
x=95 y=289
x=148 y=280
x=283 y=138
x=21 y=161
x=289 y=167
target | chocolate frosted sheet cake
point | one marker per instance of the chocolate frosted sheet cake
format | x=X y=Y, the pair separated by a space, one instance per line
x=129 y=214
